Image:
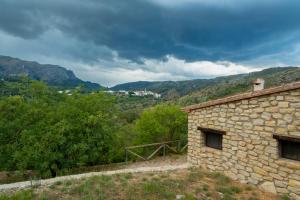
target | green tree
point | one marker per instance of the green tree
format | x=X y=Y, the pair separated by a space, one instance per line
x=50 y=132
x=162 y=123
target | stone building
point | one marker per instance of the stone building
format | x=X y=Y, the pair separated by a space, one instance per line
x=251 y=137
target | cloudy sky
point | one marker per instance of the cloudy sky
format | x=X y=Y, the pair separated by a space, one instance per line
x=116 y=41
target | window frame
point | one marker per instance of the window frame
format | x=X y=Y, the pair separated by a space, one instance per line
x=213 y=133
x=283 y=140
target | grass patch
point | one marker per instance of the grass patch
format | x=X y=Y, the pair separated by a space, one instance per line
x=253 y=198
x=68 y=183
x=190 y=197
x=51 y=186
x=192 y=183
x=157 y=189
x=58 y=183
x=205 y=187
x=285 y=197
x=220 y=178
x=228 y=197
x=248 y=188
x=24 y=195
x=164 y=175
x=128 y=176
x=195 y=175
x=229 y=190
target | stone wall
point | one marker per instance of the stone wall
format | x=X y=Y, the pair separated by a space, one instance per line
x=250 y=154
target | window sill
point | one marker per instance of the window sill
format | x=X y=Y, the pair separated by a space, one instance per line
x=212 y=149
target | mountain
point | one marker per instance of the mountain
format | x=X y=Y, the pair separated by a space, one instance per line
x=165 y=87
x=194 y=91
x=53 y=75
x=232 y=85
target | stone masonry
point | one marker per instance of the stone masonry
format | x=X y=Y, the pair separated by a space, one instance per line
x=250 y=154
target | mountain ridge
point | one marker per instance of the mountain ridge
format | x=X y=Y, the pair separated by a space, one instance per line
x=182 y=88
x=53 y=75
x=186 y=91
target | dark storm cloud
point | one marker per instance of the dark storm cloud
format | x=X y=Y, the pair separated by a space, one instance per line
x=135 y=29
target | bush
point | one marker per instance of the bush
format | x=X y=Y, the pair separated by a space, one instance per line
x=162 y=123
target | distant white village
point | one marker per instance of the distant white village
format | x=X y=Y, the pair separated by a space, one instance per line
x=141 y=93
x=68 y=92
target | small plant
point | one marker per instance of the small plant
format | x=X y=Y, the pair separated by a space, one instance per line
x=221 y=179
x=151 y=174
x=43 y=197
x=198 y=190
x=155 y=178
x=157 y=189
x=253 y=198
x=24 y=195
x=58 y=183
x=164 y=175
x=123 y=180
x=229 y=190
x=128 y=176
x=254 y=194
x=285 y=197
x=105 y=181
x=79 y=189
x=68 y=183
x=195 y=176
x=88 y=197
x=190 y=197
x=208 y=194
x=144 y=179
x=248 y=188
x=51 y=186
x=99 y=193
x=64 y=189
x=228 y=197
x=235 y=189
x=205 y=187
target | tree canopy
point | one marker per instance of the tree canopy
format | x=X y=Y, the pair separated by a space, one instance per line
x=162 y=123
x=50 y=132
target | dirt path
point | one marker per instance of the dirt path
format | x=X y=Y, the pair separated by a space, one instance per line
x=156 y=165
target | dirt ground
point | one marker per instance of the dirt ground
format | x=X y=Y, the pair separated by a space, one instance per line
x=11 y=177
x=189 y=184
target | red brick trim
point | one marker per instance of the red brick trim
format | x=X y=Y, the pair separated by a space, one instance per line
x=248 y=95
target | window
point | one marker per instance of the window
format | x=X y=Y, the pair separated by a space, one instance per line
x=212 y=138
x=290 y=150
x=289 y=147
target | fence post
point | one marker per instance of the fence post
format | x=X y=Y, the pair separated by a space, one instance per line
x=179 y=145
x=164 y=150
x=126 y=155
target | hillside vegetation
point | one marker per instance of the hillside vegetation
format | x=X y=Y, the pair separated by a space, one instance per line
x=200 y=90
x=189 y=184
x=11 y=68
x=231 y=85
x=51 y=133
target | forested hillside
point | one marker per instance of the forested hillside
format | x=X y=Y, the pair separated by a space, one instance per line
x=12 y=68
x=235 y=83
x=50 y=133
x=231 y=85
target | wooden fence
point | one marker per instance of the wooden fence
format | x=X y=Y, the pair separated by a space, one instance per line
x=162 y=146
